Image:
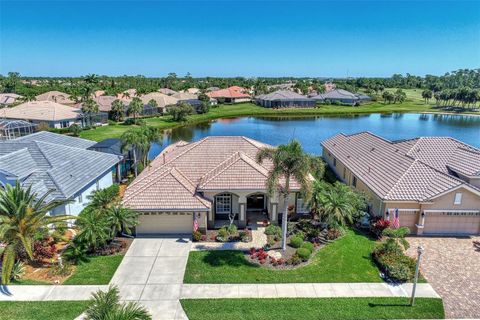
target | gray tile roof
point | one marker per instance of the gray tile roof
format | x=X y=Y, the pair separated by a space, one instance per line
x=282 y=95
x=340 y=94
x=415 y=169
x=57 y=163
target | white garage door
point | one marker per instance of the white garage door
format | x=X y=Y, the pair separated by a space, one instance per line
x=452 y=223
x=165 y=223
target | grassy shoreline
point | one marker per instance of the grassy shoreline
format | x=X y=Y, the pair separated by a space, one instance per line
x=249 y=109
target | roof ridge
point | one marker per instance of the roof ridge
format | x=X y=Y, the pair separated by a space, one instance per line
x=174 y=172
x=166 y=170
x=400 y=179
x=222 y=166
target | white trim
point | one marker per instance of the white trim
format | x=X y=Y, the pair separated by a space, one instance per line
x=453 y=210
x=405 y=210
x=465 y=186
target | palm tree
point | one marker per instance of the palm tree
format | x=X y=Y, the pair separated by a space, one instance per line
x=106 y=305
x=22 y=214
x=289 y=161
x=89 y=108
x=118 y=110
x=94 y=228
x=139 y=140
x=121 y=219
x=151 y=135
x=135 y=107
x=132 y=139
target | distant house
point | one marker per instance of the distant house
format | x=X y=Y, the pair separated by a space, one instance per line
x=284 y=99
x=11 y=129
x=98 y=93
x=329 y=86
x=167 y=91
x=54 y=114
x=55 y=96
x=127 y=94
x=7 y=99
x=232 y=94
x=192 y=90
x=341 y=96
x=105 y=102
x=114 y=146
x=49 y=161
x=209 y=89
x=163 y=101
x=190 y=98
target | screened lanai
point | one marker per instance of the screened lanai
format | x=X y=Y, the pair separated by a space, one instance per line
x=11 y=129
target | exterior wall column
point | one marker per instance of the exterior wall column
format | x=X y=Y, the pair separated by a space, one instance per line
x=421 y=222
x=210 y=219
x=242 y=216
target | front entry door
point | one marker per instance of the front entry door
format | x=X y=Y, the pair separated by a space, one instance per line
x=256 y=202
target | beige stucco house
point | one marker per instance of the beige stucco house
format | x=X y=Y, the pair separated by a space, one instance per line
x=208 y=179
x=434 y=182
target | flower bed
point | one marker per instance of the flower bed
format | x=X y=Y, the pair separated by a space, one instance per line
x=223 y=235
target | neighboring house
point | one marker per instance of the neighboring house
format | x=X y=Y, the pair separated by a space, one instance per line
x=329 y=86
x=54 y=114
x=341 y=96
x=190 y=98
x=127 y=94
x=114 y=146
x=284 y=99
x=434 y=182
x=192 y=91
x=55 y=96
x=11 y=129
x=7 y=99
x=105 y=102
x=163 y=100
x=49 y=161
x=209 y=89
x=98 y=93
x=210 y=178
x=232 y=94
x=167 y=91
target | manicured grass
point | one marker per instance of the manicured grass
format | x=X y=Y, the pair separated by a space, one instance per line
x=98 y=270
x=314 y=309
x=345 y=260
x=413 y=104
x=42 y=310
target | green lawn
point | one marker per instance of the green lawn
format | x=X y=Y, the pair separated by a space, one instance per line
x=314 y=309
x=98 y=270
x=345 y=260
x=42 y=310
x=413 y=104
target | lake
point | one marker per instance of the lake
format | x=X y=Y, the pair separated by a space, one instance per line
x=312 y=130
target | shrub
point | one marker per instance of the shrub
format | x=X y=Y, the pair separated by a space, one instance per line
x=390 y=258
x=18 y=270
x=307 y=245
x=44 y=249
x=300 y=234
x=378 y=225
x=304 y=253
x=232 y=229
x=60 y=270
x=333 y=234
x=244 y=236
x=273 y=230
x=296 y=242
x=196 y=236
x=75 y=252
x=294 y=260
x=223 y=234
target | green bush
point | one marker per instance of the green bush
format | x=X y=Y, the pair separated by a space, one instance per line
x=232 y=229
x=304 y=253
x=274 y=230
x=307 y=245
x=223 y=234
x=296 y=242
x=294 y=260
x=196 y=236
x=300 y=234
x=393 y=262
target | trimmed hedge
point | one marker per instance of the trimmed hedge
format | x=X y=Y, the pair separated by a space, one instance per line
x=296 y=242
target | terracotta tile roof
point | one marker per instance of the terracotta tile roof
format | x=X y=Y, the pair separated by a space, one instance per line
x=55 y=96
x=213 y=163
x=41 y=111
x=162 y=100
x=230 y=92
x=415 y=169
x=9 y=98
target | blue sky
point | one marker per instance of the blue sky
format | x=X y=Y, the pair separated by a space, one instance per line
x=238 y=38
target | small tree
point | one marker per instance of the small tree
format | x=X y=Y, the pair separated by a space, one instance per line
x=180 y=112
x=427 y=95
x=75 y=130
x=118 y=110
x=89 y=108
x=135 y=107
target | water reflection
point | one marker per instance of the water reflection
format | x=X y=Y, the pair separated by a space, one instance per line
x=312 y=130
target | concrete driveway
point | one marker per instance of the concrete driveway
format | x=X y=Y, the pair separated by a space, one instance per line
x=152 y=273
x=452 y=267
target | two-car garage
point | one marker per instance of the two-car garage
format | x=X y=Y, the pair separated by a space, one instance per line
x=451 y=222
x=152 y=223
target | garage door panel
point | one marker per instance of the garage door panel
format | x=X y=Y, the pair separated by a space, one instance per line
x=165 y=223
x=452 y=223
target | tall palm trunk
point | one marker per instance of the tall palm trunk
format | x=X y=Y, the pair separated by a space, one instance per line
x=135 y=164
x=286 y=197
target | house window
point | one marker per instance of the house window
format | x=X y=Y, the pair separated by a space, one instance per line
x=223 y=203
x=354 y=181
x=458 y=198
x=334 y=162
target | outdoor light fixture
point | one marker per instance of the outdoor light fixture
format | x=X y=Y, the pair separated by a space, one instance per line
x=420 y=251
x=423 y=214
x=387 y=214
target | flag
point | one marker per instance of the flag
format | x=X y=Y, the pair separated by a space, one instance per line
x=195 y=222
x=396 y=220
